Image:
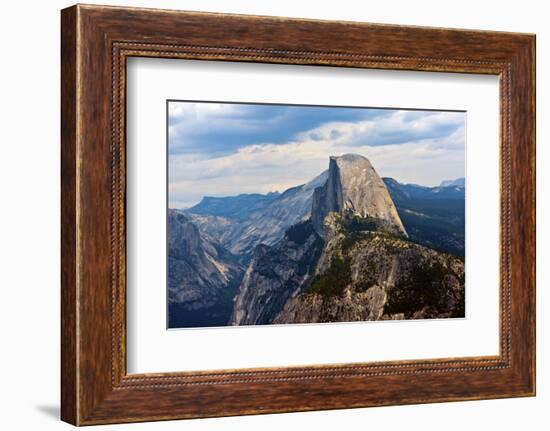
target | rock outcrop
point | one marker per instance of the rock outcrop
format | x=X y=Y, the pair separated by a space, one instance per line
x=351 y=261
x=354 y=187
x=276 y=274
x=373 y=276
x=332 y=250
x=203 y=277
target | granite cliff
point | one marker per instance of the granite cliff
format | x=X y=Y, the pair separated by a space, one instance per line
x=354 y=187
x=276 y=274
x=370 y=275
x=203 y=277
x=351 y=260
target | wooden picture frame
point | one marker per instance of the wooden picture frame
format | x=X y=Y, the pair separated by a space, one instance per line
x=95 y=43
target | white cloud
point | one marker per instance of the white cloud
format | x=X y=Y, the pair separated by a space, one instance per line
x=399 y=127
x=269 y=167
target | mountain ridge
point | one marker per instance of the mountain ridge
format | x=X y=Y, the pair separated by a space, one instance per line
x=433 y=216
x=345 y=246
x=202 y=275
x=458 y=182
x=266 y=225
x=350 y=261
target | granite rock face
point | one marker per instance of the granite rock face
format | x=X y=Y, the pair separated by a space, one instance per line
x=354 y=187
x=375 y=276
x=332 y=250
x=276 y=274
x=353 y=262
x=202 y=275
x=351 y=306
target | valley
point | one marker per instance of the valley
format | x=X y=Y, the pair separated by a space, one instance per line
x=346 y=246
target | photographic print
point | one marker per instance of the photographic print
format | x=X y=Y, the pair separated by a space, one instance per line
x=295 y=214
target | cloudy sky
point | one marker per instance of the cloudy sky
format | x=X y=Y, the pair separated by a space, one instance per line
x=223 y=149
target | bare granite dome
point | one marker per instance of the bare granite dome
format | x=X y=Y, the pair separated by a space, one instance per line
x=354 y=187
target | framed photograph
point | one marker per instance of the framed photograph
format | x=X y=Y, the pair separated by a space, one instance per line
x=264 y=214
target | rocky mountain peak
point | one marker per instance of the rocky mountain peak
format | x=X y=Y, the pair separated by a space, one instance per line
x=353 y=187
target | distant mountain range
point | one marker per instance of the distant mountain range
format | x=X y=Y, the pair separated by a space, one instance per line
x=345 y=246
x=459 y=182
x=240 y=223
x=234 y=207
x=433 y=216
